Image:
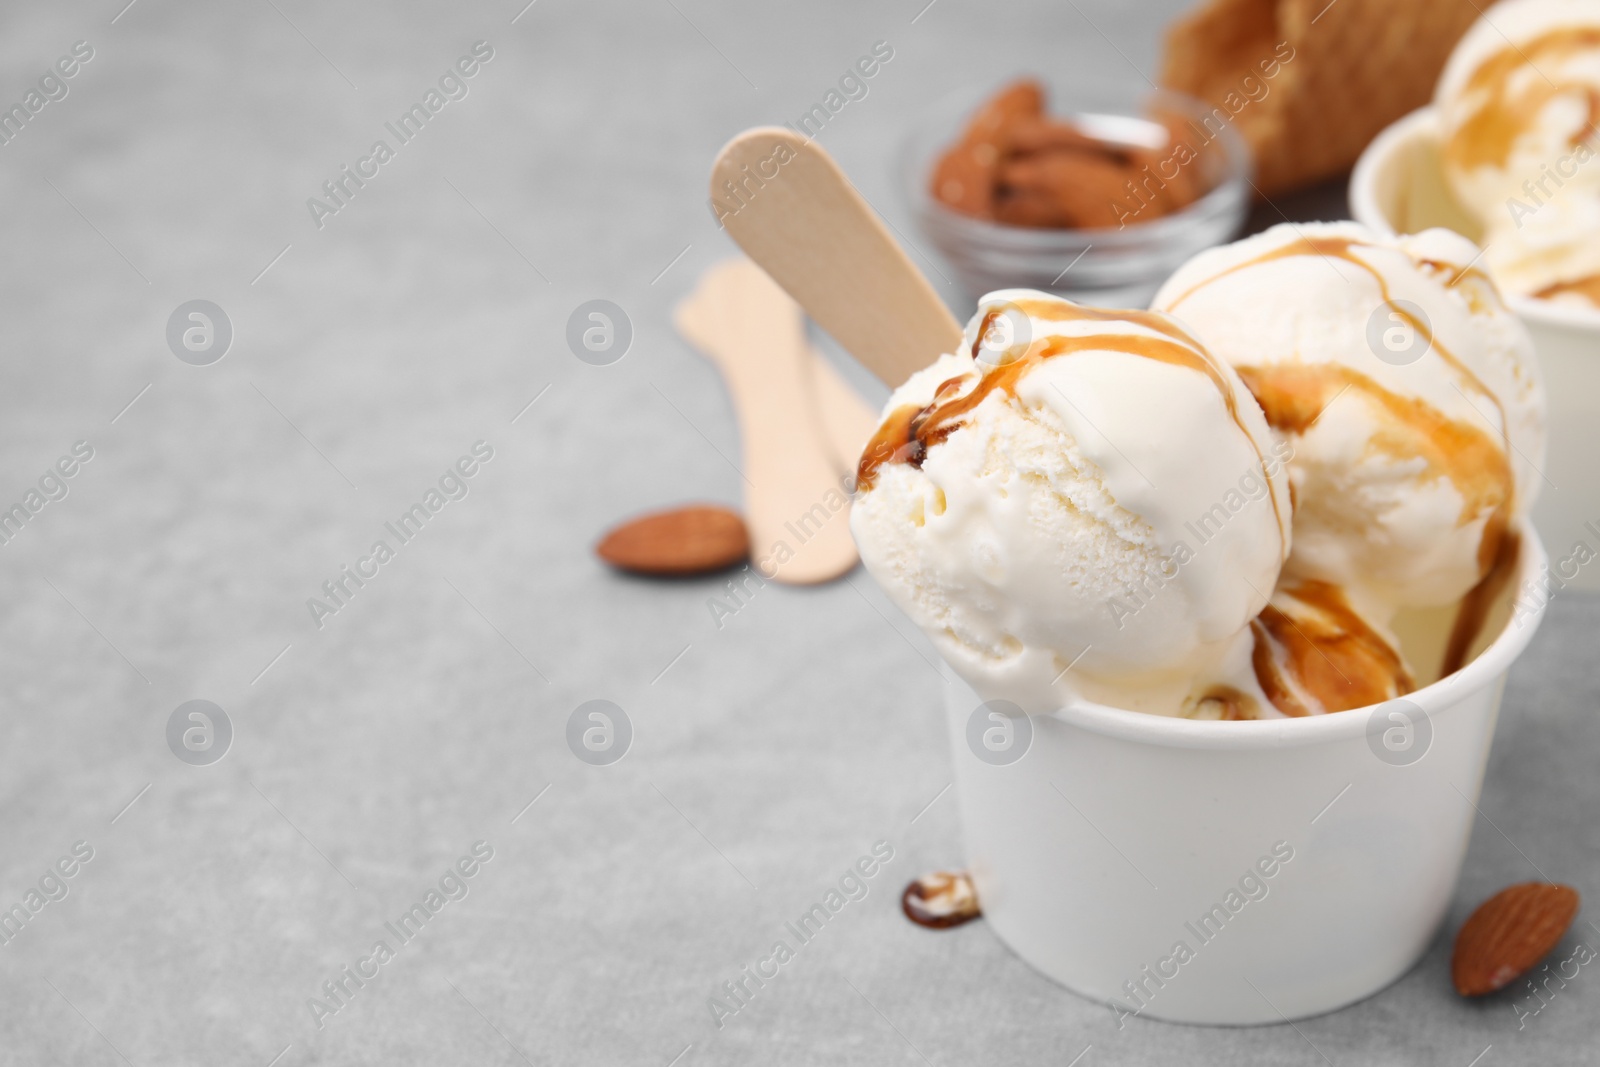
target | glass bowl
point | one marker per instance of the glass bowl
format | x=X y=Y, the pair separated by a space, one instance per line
x=1111 y=267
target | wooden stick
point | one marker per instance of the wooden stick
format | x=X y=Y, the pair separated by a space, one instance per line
x=797 y=503
x=848 y=422
x=793 y=211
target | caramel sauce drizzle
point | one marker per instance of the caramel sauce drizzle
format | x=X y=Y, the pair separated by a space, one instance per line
x=1342 y=248
x=1295 y=394
x=1275 y=387
x=1330 y=657
x=1588 y=288
x=910 y=430
x=1482 y=296
x=1458 y=273
x=1486 y=138
x=1478 y=602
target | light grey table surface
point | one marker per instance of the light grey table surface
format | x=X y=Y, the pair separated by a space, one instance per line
x=371 y=753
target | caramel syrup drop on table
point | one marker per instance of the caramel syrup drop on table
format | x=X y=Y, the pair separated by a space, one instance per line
x=941 y=900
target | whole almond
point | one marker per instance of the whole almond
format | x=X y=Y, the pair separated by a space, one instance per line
x=684 y=541
x=1509 y=933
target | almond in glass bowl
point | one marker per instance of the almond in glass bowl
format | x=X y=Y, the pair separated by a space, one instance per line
x=1098 y=204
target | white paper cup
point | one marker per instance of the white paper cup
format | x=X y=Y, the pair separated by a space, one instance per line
x=1398 y=187
x=1105 y=843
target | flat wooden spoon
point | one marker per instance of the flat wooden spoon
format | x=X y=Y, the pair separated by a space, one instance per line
x=797 y=502
x=848 y=422
x=793 y=211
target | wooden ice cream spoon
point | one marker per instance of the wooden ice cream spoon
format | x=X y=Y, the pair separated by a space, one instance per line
x=797 y=491
x=793 y=211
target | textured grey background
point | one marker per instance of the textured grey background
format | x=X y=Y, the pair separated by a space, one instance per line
x=426 y=715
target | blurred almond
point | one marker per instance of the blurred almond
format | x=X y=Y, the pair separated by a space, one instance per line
x=1508 y=934
x=1017 y=103
x=1047 y=135
x=698 y=539
x=964 y=179
x=1082 y=191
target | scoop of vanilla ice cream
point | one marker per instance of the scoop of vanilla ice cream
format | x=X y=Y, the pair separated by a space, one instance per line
x=1502 y=358
x=1091 y=507
x=1405 y=388
x=1518 y=102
